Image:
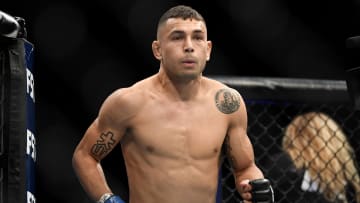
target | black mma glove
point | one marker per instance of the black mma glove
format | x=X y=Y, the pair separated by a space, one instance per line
x=262 y=191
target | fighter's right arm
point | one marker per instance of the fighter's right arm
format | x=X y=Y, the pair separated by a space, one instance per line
x=99 y=139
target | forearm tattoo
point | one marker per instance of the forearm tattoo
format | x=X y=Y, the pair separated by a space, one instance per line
x=104 y=144
x=229 y=154
x=227 y=101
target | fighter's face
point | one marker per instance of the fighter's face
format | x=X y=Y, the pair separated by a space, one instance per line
x=182 y=47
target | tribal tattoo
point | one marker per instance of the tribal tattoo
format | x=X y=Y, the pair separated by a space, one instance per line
x=229 y=154
x=103 y=144
x=227 y=101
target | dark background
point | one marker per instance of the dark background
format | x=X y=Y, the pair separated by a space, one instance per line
x=86 y=50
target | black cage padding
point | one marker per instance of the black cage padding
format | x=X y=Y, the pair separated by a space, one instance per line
x=13 y=101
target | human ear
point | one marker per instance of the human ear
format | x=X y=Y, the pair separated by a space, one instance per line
x=156 y=49
x=208 y=52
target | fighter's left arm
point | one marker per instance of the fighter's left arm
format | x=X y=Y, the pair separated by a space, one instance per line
x=240 y=151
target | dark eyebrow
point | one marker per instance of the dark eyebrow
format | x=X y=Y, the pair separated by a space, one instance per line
x=198 y=32
x=177 y=32
x=182 y=32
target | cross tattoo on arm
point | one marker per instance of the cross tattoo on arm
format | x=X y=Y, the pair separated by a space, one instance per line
x=104 y=144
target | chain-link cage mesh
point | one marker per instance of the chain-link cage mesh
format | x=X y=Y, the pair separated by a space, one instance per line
x=267 y=123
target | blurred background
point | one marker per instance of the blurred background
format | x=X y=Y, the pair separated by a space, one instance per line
x=84 y=51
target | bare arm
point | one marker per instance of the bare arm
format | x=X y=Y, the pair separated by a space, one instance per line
x=240 y=150
x=98 y=141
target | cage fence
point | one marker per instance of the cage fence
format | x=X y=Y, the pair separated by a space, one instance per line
x=330 y=173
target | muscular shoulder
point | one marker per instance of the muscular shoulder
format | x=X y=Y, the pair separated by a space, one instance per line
x=122 y=104
x=227 y=100
x=124 y=97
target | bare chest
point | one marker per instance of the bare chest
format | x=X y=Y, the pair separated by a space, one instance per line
x=177 y=131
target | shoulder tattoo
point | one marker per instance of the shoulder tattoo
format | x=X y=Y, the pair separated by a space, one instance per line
x=104 y=144
x=227 y=100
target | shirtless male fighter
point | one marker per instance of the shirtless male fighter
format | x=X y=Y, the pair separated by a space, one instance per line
x=171 y=127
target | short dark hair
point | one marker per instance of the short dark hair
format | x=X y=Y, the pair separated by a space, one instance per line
x=180 y=11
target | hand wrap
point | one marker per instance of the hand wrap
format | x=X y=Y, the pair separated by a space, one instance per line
x=110 y=198
x=262 y=191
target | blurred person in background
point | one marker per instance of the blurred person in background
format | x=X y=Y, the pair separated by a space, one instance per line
x=318 y=146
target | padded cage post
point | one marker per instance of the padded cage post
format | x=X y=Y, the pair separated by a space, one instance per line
x=352 y=61
x=17 y=121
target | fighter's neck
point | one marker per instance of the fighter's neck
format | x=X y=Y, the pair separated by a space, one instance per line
x=180 y=89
